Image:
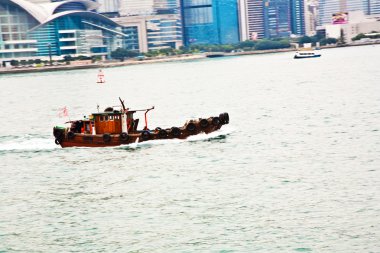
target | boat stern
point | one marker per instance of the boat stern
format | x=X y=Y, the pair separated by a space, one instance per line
x=59 y=134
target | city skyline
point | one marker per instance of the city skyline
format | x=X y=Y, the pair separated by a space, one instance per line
x=34 y=28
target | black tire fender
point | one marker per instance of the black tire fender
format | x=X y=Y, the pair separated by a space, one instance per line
x=203 y=123
x=221 y=117
x=124 y=137
x=216 y=121
x=191 y=127
x=106 y=137
x=162 y=134
x=226 y=118
x=145 y=135
x=57 y=141
x=175 y=131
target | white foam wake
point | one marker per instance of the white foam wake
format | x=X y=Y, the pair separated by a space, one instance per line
x=28 y=144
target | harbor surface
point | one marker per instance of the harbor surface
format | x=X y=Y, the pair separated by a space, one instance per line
x=296 y=170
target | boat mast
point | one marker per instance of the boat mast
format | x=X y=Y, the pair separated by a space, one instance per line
x=124 y=127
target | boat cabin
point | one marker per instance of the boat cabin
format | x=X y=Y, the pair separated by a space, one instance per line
x=110 y=122
x=82 y=126
x=104 y=122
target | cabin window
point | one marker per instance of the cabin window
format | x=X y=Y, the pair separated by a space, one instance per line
x=106 y=118
x=111 y=118
x=101 y=118
x=117 y=117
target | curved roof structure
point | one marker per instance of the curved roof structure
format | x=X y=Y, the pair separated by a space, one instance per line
x=34 y=10
x=46 y=12
x=52 y=8
x=88 y=14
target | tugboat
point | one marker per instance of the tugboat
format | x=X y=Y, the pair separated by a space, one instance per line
x=118 y=127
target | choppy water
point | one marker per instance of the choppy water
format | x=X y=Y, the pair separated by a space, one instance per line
x=297 y=169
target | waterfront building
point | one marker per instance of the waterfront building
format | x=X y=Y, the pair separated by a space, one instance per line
x=210 y=21
x=358 y=23
x=31 y=30
x=329 y=7
x=297 y=8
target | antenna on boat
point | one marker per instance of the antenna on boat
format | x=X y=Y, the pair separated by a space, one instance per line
x=122 y=103
x=97 y=107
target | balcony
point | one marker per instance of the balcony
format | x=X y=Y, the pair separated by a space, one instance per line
x=13 y=42
x=69 y=47
x=19 y=50
x=67 y=39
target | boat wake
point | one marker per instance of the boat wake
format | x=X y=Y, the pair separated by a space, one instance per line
x=27 y=143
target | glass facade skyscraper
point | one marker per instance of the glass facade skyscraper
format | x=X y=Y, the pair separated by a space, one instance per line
x=272 y=18
x=277 y=18
x=297 y=8
x=210 y=21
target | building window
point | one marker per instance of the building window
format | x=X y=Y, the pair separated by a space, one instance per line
x=6 y=37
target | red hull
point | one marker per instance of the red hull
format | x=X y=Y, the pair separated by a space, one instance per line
x=89 y=140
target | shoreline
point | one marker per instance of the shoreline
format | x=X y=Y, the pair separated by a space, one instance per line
x=100 y=65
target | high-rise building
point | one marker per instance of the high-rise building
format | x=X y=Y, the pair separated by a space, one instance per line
x=329 y=7
x=251 y=19
x=156 y=24
x=210 y=21
x=271 y=18
x=166 y=6
x=311 y=17
x=136 y=7
x=108 y=6
x=297 y=8
x=277 y=18
x=373 y=7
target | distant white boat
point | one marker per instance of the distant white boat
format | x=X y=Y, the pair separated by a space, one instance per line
x=306 y=53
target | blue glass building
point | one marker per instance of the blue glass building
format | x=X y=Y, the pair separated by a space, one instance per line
x=297 y=8
x=210 y=21
x=277 y=18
